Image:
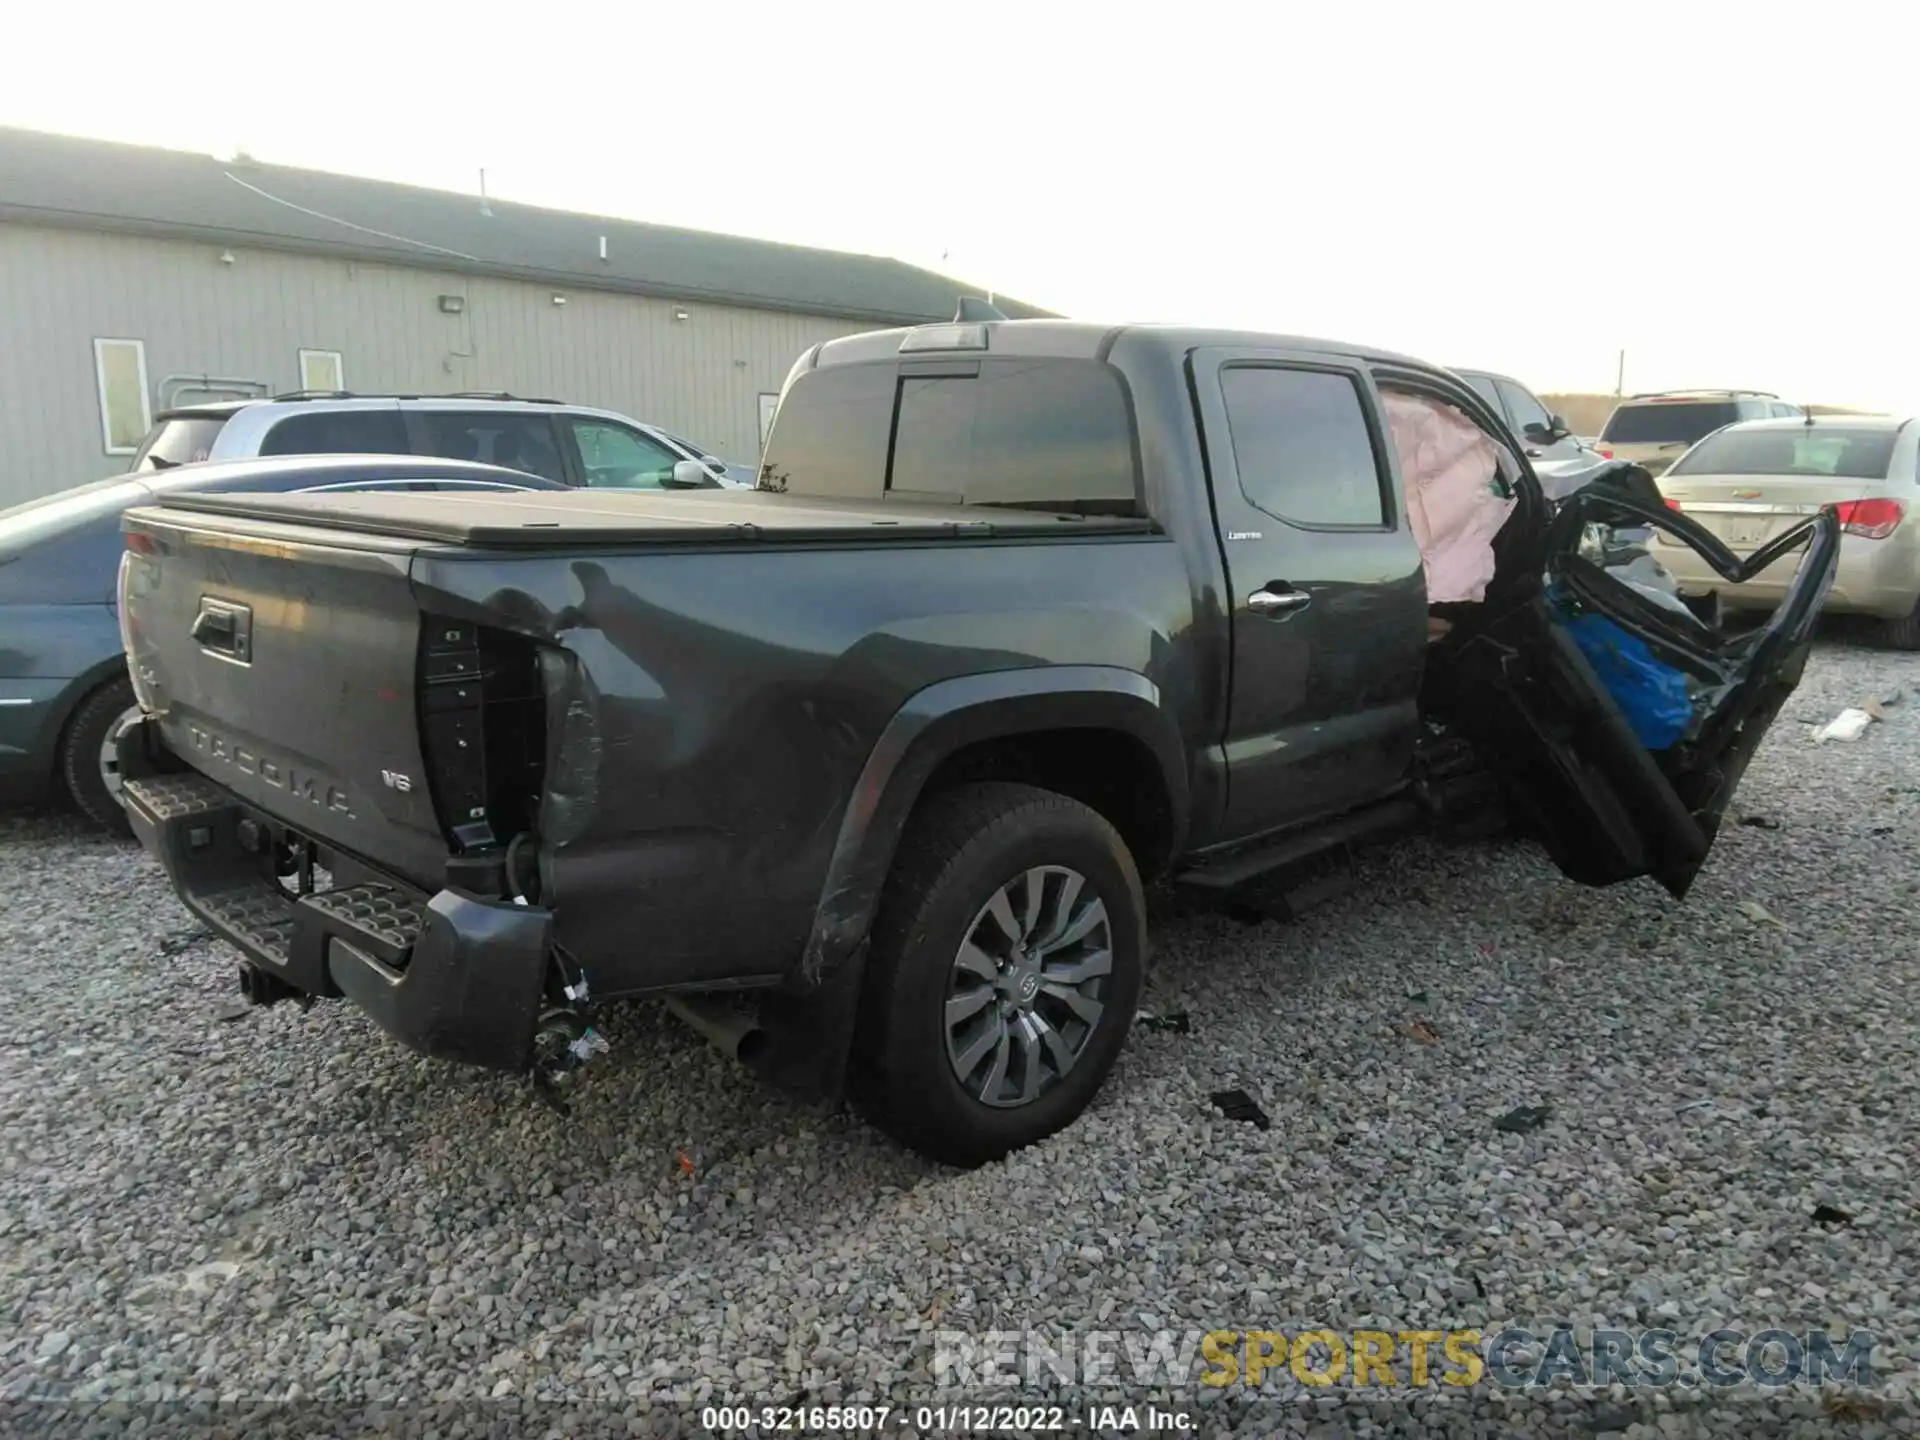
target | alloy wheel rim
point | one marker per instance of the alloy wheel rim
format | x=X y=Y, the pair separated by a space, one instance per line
x=110 y=751
x=1028 y=986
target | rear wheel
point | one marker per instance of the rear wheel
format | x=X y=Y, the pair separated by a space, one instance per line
x=1904 y=633
x=1003 y=974
x=89 y=762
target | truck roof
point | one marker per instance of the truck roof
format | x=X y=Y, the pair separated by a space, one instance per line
x=1082 y=339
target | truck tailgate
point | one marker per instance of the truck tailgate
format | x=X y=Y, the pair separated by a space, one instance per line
x=281 y=663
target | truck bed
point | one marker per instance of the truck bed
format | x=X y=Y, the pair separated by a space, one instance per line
x=668 y=690
x=536 y=520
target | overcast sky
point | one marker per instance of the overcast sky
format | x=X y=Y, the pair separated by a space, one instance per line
x=1721 y=191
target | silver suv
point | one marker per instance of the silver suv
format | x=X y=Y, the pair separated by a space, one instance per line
x=1654 y=430
x=567 y=443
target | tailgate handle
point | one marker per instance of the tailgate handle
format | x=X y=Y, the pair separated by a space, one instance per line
x=224 y=628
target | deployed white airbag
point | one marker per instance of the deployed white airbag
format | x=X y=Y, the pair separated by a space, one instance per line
x=1449 y=466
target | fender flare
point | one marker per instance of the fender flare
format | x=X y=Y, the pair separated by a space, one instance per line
x=935 y=723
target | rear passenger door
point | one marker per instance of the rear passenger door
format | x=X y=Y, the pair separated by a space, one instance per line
x=1326 y=595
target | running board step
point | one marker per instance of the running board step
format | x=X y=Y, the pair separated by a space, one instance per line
x=1230 y=871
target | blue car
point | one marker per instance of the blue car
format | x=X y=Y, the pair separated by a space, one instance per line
x=64 y=691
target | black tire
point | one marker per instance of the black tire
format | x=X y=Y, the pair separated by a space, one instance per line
x=93 y=721
x=1902 y=634
x=1707 y=609
x=962 y=848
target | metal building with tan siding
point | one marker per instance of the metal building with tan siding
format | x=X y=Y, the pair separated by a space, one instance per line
x=134 y=278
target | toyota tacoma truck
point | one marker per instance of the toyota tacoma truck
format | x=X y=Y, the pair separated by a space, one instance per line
x=865 y=769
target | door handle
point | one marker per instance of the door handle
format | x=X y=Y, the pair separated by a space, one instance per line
x=1278 y=602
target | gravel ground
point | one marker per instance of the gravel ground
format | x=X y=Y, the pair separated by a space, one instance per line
x=195 y=1207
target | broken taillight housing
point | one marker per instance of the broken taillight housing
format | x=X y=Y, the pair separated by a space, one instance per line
x=1870 y=519
x=482 y=730
x=135 y=574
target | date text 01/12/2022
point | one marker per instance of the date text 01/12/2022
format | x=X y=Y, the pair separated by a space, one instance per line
x=940 y=1419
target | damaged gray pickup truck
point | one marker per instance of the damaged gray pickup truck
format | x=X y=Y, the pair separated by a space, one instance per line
x=865 y=770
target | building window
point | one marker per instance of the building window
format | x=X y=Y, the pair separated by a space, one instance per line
x=768 y=404
x=120 y=367
x=322 y=370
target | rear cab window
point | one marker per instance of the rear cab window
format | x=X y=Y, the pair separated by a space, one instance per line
x=178 y=440
x=1012 y=432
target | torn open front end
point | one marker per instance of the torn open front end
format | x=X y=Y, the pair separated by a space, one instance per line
x=1619 y=723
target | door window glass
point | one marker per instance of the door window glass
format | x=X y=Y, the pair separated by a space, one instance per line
x=1303 y=447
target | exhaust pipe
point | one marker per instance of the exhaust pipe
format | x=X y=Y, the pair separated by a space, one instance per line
x=737 y=1036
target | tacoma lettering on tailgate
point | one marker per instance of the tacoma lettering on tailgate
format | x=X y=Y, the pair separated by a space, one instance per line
x=314 y=789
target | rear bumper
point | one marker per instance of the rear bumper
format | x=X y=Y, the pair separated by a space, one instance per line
x=449 y=975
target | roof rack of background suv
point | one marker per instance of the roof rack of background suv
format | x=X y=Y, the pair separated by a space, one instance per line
x=379 y=395
x=1662 y=394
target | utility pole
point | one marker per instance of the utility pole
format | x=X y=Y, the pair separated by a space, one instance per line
x=1620 y=377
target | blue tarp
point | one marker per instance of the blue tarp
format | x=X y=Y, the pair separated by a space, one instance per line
x=1652 y=695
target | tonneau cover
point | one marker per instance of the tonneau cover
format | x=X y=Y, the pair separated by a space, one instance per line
x=536 y=520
